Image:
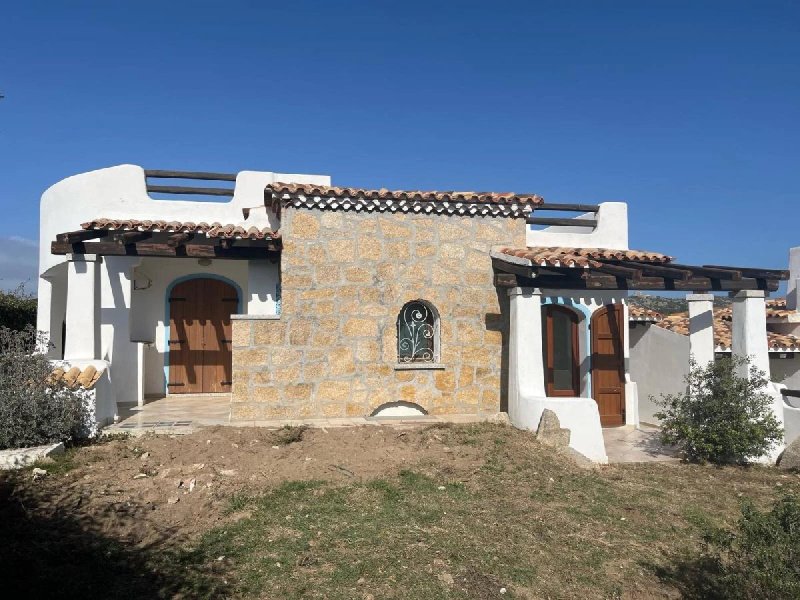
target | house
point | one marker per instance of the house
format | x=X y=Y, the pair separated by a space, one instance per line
x=302 y=300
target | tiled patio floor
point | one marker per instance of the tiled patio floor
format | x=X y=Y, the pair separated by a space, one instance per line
x=182 y=413
x=628 y=445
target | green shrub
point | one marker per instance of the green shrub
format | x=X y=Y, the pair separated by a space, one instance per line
x=722 y=417
x=17 y=309
x=34 y=409
x=760 y=558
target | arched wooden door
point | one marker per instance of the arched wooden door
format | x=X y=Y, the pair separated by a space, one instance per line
x=200 y=359
x=560 y=349
x=608 y=364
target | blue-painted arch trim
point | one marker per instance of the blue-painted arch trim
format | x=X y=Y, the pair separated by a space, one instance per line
x=168 y=293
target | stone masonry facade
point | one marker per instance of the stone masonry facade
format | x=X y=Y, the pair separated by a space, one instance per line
x=344 y=278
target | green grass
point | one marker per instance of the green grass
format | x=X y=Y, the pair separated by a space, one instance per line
x=527 y=519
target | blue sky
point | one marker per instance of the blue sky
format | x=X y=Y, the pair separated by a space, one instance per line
x=688 y=111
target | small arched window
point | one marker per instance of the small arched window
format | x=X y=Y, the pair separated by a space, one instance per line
x=418 y=333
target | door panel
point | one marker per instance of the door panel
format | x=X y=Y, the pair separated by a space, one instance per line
x=560 y=347
x=200 y=359
x=608 y=366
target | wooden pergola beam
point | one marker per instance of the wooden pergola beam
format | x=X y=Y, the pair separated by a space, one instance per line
x=165 y=250
x=131 y=237
x=594 y=281
x=179 y=239
x=657 y=270
x=712 y=272
x=73 y=237
x=779 y=274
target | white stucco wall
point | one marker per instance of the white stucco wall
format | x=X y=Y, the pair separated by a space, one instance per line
x=659 y=362
x=611 y=230
x=786 y=370
x=149 y=306
x=125 y=317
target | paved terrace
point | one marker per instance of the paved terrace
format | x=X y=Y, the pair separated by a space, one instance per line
x=184 y=413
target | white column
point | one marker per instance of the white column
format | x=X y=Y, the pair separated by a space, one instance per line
x=750 y=328
x=793 y=286
x=525 y=362
x=115 y=297
x=81 y=342
x=701 y=328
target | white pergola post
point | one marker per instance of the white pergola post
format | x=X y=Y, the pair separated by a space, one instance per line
x=701 y=328
x=81 y=342
x=525 y=362
x=750 y=328
x=793 y=287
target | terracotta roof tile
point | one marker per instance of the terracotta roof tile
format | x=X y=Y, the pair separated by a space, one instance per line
x=679 y=323
x=74 y=376
x=642 y=314
x=307 y=189
x=581 y=257
x=211 y=230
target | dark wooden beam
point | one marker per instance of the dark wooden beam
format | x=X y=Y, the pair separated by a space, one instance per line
x=561 y=222
x=179 y=239
x=569 y=207
x=165 y=250
x=190 y=175
x=505 y=280
x=791 y=393
x=509 y=267
x=179 y=189
x=657 y=270
x=619 y=271
x=713 y=273
x=131 y=237
x=79 y=236
x=595 y=281
x=780 y=274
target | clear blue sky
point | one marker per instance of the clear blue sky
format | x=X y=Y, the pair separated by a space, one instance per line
x=688 y=111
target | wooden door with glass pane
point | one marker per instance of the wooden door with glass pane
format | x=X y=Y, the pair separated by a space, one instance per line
x=562 y=365
x=200 y=357
x=608 y=364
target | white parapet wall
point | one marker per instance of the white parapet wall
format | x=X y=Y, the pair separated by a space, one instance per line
x=611 y=230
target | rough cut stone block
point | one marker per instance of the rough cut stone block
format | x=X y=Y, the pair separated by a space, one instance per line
x=550 y=431
x=790 y=459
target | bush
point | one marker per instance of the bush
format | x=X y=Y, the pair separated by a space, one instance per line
x=34 y=409
x=17 y=309
x=722 y=417
x=760 y=558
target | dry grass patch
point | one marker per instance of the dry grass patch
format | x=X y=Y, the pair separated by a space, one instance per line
x=446 y=511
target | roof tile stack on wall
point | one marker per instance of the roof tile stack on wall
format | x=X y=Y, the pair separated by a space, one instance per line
x=344 y=278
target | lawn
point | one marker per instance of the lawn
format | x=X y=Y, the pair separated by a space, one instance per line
x=473 y=511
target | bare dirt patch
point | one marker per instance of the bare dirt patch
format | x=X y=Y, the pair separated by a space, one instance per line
x=143 y=490
x=381 y=512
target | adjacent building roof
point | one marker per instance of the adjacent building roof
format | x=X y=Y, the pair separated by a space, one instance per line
x=679 y=323
x=640 y=314
x=306 y=195
x=211 y=230
x=556 y=256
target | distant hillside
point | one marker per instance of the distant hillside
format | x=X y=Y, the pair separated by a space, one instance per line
x=669 y=305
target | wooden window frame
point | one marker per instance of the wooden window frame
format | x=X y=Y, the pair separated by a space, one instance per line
x=548 y=348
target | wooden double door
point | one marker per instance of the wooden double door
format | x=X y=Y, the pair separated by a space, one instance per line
x=607 y=361
x=200 y=357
